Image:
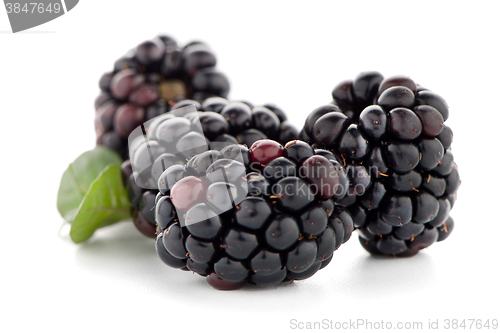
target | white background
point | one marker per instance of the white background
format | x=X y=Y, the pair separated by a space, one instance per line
x=288 y=54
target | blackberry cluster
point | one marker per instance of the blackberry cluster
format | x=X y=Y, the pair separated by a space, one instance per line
x=391 y=137
x=216 y=124
x=246 y=123
x=148 y=81
x=261 y=215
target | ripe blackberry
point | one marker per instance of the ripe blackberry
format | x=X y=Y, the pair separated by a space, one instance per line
x=264 y=215
x=390 y=135
x=175 y=136
x=147 y=81
x=244 y=124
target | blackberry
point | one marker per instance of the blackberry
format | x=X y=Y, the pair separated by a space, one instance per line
x=147 y=81
x=390 y=136
x=267 y=214
x=174 y=137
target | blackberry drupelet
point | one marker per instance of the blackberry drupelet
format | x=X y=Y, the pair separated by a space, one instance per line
x=245 y=123
x=147 y=81
x=390 y=135
x=261 y=215
x=222 y=123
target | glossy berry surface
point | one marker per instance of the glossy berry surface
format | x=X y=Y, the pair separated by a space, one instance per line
x=298 y=151
x=147 y=228
x=404 y=124
x=264 y=151
x=238 y=115
x=188 y=192
x=323 y=175
x=266 y=217
x=390 y=138
x=396 y=96
x=216 y=282
x=373 y=121
x=209 y=130
x=329 y=127
x=149 y=80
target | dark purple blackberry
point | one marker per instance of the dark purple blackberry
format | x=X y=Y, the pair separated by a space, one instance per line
x=148 y=81
x=237 y=122
x=261 y=215
x=176 y=136
x=390 y=136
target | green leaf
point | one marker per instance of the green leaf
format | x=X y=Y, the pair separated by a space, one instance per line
x=105 y=203
x=77 y=178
